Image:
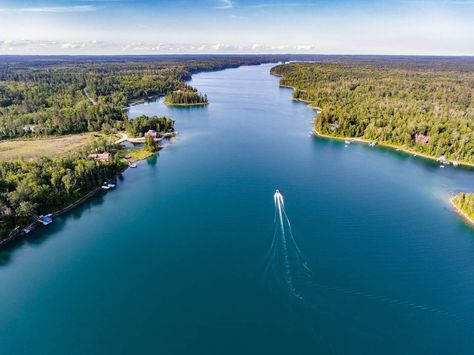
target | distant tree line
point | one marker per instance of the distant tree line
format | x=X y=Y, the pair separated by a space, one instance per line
x=49 y=97
x=383 y=102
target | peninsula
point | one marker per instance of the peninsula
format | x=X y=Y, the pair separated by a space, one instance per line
x=464 y=204
x=61 y=117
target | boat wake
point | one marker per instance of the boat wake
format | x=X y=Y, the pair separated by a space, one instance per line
x=286 y=263
x=286 y=266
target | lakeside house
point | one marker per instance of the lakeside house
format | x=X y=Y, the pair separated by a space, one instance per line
x=100 y=156
x=422 y=139
x=151 y=133
x=29 y=128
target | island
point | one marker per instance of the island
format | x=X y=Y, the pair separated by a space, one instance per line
x=187 y=96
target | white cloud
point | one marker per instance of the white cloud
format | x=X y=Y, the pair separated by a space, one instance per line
x=103 y=47
x=47 y=47
x=51 y=9
x=305 y=47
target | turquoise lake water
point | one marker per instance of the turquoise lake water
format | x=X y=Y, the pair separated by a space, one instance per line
x=178 y=259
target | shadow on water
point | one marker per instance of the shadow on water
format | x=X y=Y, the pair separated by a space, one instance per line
x=188 y=108
x=398 y=155
x=40 y=234
x=152 y=160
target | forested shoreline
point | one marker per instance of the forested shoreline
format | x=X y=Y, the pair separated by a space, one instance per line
x=427 y=108
x=464 y=203
x=48 y=98
x=55 y=96
x=32 y=188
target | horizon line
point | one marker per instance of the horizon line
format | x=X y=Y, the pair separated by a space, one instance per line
x=229 y=54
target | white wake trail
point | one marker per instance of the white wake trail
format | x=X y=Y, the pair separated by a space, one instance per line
x=285 y=258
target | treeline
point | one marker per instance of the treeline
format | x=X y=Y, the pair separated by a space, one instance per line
x=48 y=96
x=187 y=95
x=465 y=202
x=427 y=109
x=32 y=188
x=142 y=124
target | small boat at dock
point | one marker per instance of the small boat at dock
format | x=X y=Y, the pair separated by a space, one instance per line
x=372 y=144
x=347 y=141
x=45 y=219
x=107 y=185
x=132 y=165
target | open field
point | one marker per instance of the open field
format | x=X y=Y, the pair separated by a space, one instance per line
x=50 y=147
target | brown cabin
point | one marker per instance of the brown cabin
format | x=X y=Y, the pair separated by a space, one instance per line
x=151 y=133
x=100 y=156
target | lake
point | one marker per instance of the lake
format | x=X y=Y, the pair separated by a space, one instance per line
x=187 y=254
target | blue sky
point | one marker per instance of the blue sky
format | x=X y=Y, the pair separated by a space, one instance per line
x=438 y=27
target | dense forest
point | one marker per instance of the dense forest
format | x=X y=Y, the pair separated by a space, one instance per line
x=31 y=188
x=61 y=96
x=427 y=107
x=465 y=202
x=186 y=96
x=140 y=125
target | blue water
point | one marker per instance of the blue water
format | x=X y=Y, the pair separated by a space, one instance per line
x=176 y=259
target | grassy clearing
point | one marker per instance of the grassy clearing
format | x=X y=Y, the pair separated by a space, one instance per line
x=136 y=154
x=31 y=149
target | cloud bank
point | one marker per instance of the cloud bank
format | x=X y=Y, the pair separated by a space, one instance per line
x=105 y=47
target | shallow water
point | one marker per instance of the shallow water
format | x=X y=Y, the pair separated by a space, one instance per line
x=174 y=260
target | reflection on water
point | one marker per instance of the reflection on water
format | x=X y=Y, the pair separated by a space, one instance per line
x=152 y=160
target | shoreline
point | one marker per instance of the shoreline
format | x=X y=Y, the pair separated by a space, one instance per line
x=19 y=230
x=18 y=233
x=391 y=146
x=366 y=141
x=184 y=105
x=395 y=147
x=461 y=213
